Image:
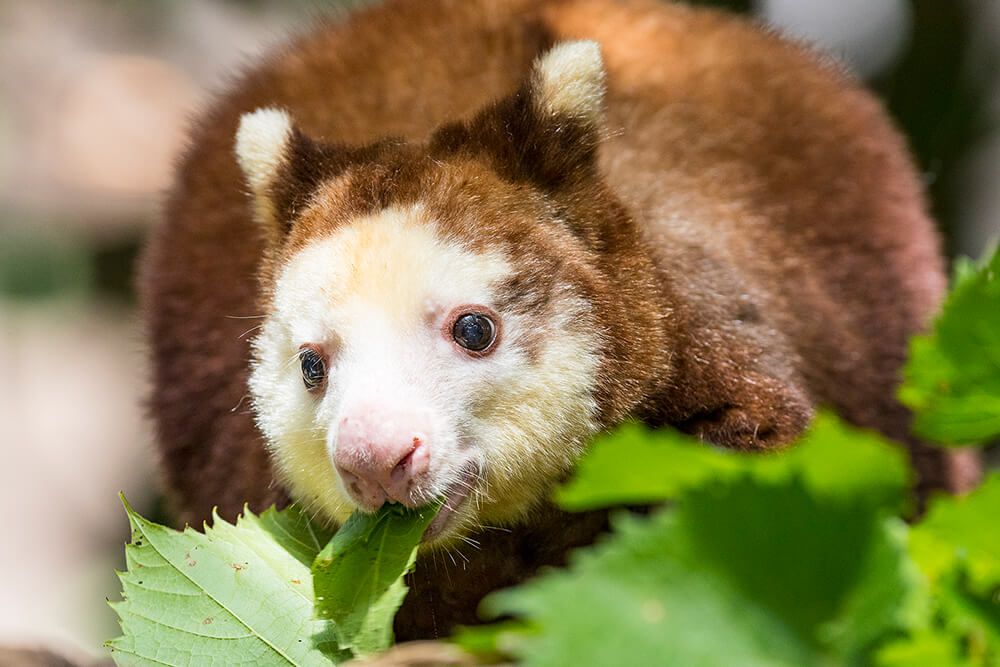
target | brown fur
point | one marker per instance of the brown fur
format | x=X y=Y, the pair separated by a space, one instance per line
x=750 y=231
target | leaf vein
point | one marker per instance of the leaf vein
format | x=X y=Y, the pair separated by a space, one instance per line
x=217 y=601
x=189 y=632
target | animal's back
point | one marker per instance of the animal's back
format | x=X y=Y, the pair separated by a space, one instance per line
x=778 y=198
x=773 y=193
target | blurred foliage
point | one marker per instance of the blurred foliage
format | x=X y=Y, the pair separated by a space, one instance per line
x=786 y=563
x=683 y=463
x=756 y=569
x=35 y=266
x=114 y=264
x=952 y=378
x=38 y=265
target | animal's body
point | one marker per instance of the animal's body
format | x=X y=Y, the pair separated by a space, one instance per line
x=438 y=255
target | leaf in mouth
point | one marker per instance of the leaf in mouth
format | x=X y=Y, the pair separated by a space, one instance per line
x=358 y=577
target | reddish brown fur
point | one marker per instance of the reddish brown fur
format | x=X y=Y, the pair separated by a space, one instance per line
x=752 y=235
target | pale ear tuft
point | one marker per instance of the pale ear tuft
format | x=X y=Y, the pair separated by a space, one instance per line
x=569 y=80
x=261 y=142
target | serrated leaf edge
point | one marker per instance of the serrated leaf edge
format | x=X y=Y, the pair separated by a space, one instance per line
x=139 y=523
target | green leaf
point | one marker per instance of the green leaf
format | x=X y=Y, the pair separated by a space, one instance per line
x=889 y=585
x=952 y=379
x=971 y=616
x=962 y=533
x=921 y=649
x=783 y=559
x=739 y=572
x=292 y=528
x=494 y=641
x=957 y=546
x=642 y=598
x=230 y=595
x=358 y=577
x=635 y=465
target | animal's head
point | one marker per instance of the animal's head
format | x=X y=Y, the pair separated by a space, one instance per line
x=454 y=318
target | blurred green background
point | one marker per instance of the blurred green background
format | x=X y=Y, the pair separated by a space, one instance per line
x=94 y=96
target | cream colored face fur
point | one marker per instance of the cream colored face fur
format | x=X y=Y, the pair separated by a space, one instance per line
x=375 y=295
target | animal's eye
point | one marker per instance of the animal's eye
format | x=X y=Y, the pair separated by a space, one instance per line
x=474 y=332
x=313 y=367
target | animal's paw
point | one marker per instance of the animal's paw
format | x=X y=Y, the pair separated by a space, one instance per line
x=738 y=428
x=767 y=419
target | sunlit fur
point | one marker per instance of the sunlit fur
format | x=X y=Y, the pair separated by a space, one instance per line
x=260 y=142
x=375 y=294
x=571 y=79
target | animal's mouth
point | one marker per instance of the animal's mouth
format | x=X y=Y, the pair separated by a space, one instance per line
x=455 y=497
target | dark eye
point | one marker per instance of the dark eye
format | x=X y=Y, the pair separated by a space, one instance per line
x=474 y=332
x=313 y=367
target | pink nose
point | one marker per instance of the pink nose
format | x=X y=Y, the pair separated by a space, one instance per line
x=382 y=453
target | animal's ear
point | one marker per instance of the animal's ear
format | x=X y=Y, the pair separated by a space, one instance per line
x=548 y=131
x=263 y=143
x=567 y=85
x=282 y=166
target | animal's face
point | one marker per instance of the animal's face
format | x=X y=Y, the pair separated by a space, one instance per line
x=437 y=323
x=395 y=366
